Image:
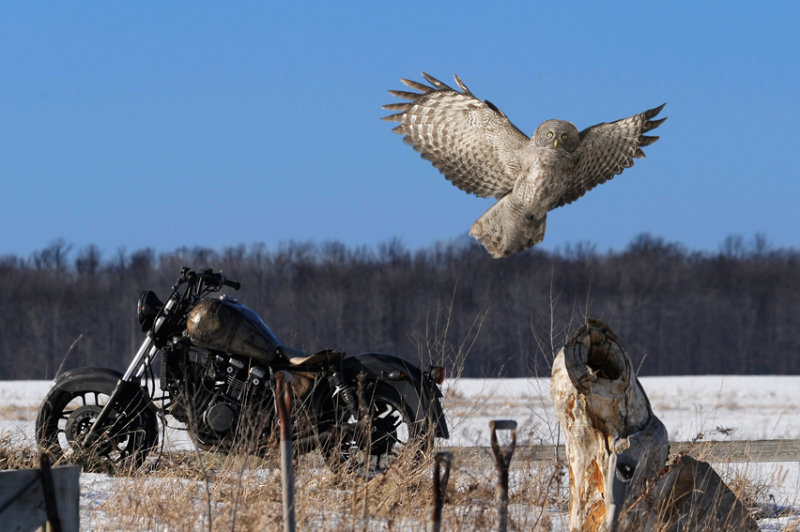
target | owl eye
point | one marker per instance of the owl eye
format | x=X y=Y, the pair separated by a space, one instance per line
x=549 y=134
x=564 y=137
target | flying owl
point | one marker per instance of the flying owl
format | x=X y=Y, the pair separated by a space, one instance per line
x=480 y=151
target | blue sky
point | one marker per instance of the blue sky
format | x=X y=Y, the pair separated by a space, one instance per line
x=133 y=124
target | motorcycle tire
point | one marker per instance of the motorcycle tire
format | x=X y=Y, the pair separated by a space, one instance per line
x=387 y=431
x=68 y=412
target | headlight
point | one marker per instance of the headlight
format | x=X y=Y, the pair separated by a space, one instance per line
x=148 y=307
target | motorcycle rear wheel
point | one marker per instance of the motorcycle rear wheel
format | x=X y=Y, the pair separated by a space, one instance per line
x=386 y=432
x=68 y=412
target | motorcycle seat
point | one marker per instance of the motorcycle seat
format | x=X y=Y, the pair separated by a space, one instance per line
x=296 y=357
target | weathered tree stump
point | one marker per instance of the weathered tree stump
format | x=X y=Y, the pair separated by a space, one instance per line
x=617 y=449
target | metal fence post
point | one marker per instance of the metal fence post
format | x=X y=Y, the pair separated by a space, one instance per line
x=283 y=401
x=502 y=460
x=441 y=474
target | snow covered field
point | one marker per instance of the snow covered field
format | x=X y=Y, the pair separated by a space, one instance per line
x=718 y=407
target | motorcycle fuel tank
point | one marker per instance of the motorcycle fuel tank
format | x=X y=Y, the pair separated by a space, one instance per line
x=223 y=324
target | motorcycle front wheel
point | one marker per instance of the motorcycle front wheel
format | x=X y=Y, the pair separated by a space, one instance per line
x=385 y=431
x=68 y=412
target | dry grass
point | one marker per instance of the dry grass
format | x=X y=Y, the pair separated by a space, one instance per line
x=245 y=494
x=16 y=455
x=18 y=413
x=210 y=491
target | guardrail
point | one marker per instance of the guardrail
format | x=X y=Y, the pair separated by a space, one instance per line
x=732 y=451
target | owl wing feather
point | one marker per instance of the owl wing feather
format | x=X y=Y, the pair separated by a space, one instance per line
x=607 y=149
x=469 y=140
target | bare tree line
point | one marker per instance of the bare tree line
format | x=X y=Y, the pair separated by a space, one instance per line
x=734 y=311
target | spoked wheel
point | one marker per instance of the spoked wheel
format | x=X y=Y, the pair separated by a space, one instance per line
x=69 y=411
x=386 y=431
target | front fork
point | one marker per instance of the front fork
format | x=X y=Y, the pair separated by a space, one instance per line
x=128 y=385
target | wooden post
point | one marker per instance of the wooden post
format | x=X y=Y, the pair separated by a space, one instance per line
x=617 y=449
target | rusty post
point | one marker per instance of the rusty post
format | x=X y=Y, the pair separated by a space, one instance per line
x=502 y=460
x=283 y=402
x=441 y=474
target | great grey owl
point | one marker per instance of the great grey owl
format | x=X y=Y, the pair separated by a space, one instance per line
x=481 y=152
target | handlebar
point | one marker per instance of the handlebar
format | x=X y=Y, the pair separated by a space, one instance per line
x=233 y=284
x=206 y=279
x=189 y=288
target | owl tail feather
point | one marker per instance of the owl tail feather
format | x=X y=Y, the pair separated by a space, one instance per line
x=503 y=232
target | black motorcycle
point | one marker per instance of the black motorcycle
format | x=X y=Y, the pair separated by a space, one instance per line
x=217 y=380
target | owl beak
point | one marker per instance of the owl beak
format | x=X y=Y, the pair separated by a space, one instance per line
x=555 y=143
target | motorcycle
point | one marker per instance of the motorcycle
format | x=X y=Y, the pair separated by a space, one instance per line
x=219 y=362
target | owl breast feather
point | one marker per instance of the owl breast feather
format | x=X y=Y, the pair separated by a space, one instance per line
x=549 y=176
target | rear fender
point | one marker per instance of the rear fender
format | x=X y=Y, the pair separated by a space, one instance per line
x=419 y=393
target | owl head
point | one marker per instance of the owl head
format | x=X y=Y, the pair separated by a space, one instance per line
x=557 y=134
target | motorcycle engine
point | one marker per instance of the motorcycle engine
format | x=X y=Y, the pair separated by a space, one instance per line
x=214 y=387
x=220 y=417
x=223 y=410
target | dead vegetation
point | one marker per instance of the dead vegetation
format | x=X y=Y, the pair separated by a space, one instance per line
x=245 y=494
x=209 y=491
x=15 y=455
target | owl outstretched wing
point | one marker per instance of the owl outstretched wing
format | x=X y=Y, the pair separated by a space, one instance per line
x=605 y=150
x=469 y=140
